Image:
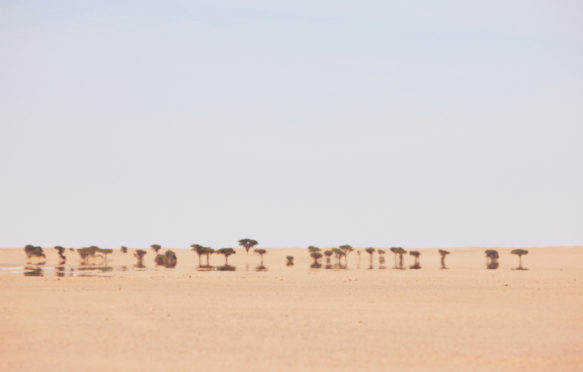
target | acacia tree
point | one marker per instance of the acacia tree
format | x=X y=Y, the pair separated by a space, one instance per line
x=124 y=249
x=226 y=252
x=415 y=254
x=491 y=259
x=168 y=259
x=139 y=255
x=247 y=244
x=199 y=250
x=339 y=253
x=398 y=251
x=290 y=260
x=260 y=252
x=105 y=252
x=443 y=254
x=370 y=251
x=156 y=247
x=207 y=252
x=328 y=253
x=381 y=253
x=32 y=251
x=346 y=249
x=60 y=250
x=519 y=253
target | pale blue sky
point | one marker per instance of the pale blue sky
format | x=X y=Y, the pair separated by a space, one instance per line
x=413 y=123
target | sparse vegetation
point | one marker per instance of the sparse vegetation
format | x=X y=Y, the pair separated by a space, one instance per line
x=226 y=252
x=519 y=253
x=338 y=253
x=199 y=250
x=124 y=249
x=370 y=251
x=156 y=247
x=260 y=252
x=168 y=259
x=443 y=254
x=328 y=254
x=32 y=251
x=416 y=265
x=60 y=250
x=346 y=249
x=248 y=244
x=316 y=256
x=104 y=252
x=139 y=255
x=290 y=260
x=398 y=251
x=87 y=253
x=491 y=259
x=381 y=253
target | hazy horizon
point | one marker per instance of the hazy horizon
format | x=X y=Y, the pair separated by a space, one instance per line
x=410 y=124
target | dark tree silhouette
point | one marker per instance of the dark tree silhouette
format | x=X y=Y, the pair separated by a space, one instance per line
x=370 y=251
x=104 y=252
x=207 y=252
x=316 y=256
x=338 y=253
x=443 y=254
x=416 y=265
x=247 y=244
x=381 y=253
x=156 y=247
x=199 y=250
x=32 y=251
x=60 y=250
x=124 y=249
x=519 y=253
x=226 y=252
x=328 y=253
x=260 y=252
x=491 y=259
x=168 y=259
x=398 y=251
x=87 y=253
x=346 y=249
x=290 y=260
x=139 y=255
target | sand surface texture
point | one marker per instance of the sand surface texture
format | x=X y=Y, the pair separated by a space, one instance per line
x=294 y=318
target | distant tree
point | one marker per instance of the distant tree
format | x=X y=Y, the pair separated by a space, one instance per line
x=124 y=249
x=491 y=259
x=139 y=255
x=443 y=254
x=338 y=253
x=346 y=249
x=32 y=251
x=207 y=252
x=381 y=253
x=260 y=252
x=290 y=260
x=328 y=254
x=199 y=250
x=370 y=251
x=398 y=251
x=415 y=254
x=316 y=256
x=87 y=253
x=156 y=247
x=248 y=244
x=60 y=250
x=168 y=259
x=104 y=252
x=226 y=252
x=358 y=253
x=519 y=253
x=313 y=249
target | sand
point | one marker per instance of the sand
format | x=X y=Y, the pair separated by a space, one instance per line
x=294 y=318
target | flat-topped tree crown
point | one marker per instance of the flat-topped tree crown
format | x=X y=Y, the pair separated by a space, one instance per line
x=248 y=244
x=491 y=253
x=443 y=252
x=398 y=250
x=414 y=253
x=226 y=252
x=346 y=248
x=313 y=249
x=123 y=249
x=156 y=247
x=519 y=252
x=369 y=250
x=260 y=251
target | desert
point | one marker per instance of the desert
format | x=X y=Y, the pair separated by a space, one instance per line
x=294 y=317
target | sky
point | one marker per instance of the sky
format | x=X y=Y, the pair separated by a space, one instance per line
x=371 y=123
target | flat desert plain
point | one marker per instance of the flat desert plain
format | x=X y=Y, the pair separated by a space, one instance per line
x=295 y=318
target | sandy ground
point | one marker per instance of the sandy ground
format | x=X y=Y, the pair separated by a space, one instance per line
x=294 y=318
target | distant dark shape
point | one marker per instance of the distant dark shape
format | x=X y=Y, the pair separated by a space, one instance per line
x=248 y=244
x=60 y=250
x=398 y=251
x=416 y=265
x=491 y=259
x=226 y=252
x=124 y=249
x=103 y=254
x=33 y=271
x=443 y=254
x=519 y=253
x=88 y=255
x=139 y=255
x=72 y=249
x=370 y=251
x=316 y=256
x=60 y=271
x=328 y=254
x=199 y=250
x=346 y=249
x=168 y=259
x=381 y=253
x=358 y=264
x=156 y=247
x=339 y=253
x=34 y=253
x=260 y=252
x=290 y=260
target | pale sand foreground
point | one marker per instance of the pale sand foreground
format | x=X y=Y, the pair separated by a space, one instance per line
x=466 y=318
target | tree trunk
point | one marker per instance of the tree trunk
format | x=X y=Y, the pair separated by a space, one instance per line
x=261 y=260
x=401 y=260
x=520 y=261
